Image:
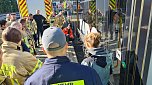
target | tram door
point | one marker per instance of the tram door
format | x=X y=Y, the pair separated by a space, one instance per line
x=137 y=44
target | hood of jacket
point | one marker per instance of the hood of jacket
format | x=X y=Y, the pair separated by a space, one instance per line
x=97 y=51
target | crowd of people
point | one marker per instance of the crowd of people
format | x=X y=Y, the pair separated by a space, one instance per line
x=19 y=66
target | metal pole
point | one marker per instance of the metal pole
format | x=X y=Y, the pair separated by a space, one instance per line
x=77 y=16
x=10 y=5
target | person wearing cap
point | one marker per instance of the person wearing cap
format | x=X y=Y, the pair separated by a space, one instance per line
x=57 y=68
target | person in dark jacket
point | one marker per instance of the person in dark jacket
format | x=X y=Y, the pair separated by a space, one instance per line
x=57 y=68
x=98 y=57
x=39 y=21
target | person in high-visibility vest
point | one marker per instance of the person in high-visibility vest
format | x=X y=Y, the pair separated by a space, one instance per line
x=31 y=25
x=28 y=38
x=59 y=20
x=16 y=65
x=2 y=77
x=2 y=27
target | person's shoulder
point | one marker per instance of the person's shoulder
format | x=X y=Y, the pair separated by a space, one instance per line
x=94 y=30
x=79 y=66
x=31 y=80
x=42 y=16
x=34 y=15
x=27 y=55
x=87 y=70
x=34 y=79
x=87 y=61
x=34 y=21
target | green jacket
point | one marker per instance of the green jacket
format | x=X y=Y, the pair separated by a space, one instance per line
x=31 y=25
x=59 y=21
x=29 y=40
x=17 y=65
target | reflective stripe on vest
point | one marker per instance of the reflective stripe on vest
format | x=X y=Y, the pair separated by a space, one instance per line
x=30 y=26
x=25 y=39
x=38 y=65
x=8 y=70
x=31 y=50
x=78 y=82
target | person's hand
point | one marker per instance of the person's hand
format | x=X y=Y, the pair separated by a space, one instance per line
x=64 y=21
x=67 y=34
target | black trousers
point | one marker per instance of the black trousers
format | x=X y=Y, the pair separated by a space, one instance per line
x=39 y=33
x=35 y=39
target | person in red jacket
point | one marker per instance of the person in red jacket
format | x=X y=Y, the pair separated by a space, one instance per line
x=68 y=33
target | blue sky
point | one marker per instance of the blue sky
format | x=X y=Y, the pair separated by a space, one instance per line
x=34 y=5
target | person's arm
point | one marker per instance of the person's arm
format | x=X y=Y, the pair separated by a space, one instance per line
x=35 y=26
x=43 y=18
x=34 y=17
x=25 y=66
x=33 y=63
x=87 y=62
x=55 y=21
x=71 y=33
x=24 y=47
x=65 y=31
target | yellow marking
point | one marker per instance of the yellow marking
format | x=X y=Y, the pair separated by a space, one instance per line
x=78 y=82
